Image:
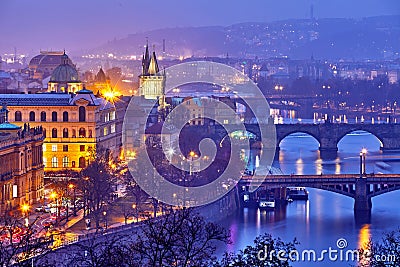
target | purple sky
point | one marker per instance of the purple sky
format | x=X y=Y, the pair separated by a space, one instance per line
x=73 y=24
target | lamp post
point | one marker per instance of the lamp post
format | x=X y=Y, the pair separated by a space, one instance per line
x=192 y=155
x=134 y=212
x=71 y=186
x=363 y=165
x=54 y=196
x=25 y=211
x=105 y=218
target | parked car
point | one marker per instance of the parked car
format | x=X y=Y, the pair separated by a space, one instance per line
x=42 y=209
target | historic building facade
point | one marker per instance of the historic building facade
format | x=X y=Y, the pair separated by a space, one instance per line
x=21 y=172
x=74 y=125
x=152 y=81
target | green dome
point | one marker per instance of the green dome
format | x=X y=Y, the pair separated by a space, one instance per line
x=65 y=72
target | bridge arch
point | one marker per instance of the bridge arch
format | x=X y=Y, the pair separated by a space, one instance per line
x=283 y=136
x=352 y=131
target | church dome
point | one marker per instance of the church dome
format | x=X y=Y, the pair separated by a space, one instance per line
x=65 y=72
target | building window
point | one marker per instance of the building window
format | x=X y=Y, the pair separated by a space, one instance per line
x=73 y=133
x=18 y=116
x=44 y=147
x=82 y=148
x=82 y=113
x=112 y=115
x=73 y=164
x=112 y=128
x=105 y=131
x=82 y=162
x=65 y=162
x=90 y=134
x=65 y=133
x=54 y=162
x=54 y=133
x=44 y=161
x=32 y=116
x=107 y=117
x=65 y=148
x=65 y=116
x=82 y=132
x=54 y=116
x=43 y=116
x=54 y=148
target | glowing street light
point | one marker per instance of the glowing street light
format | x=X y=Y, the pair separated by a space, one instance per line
x=363 y=166
x=25 y=210
x=54 y=196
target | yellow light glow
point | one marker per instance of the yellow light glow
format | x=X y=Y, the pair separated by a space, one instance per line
x=25 y=207
x=192 y=154
x=111 y=95
x=53 y=195
x=71 y=186
x=364 y=151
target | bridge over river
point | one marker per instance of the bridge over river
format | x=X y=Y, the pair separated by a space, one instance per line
x=360 y=187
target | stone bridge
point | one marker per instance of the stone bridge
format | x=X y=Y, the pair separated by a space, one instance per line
x=328 y=135
x=361 y=188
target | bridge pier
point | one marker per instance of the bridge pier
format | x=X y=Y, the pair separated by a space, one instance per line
x=328 y=153
x=362 y=202
x=280 y=195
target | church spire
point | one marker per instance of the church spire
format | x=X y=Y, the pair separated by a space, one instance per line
x=146 y=60
x=153 y=66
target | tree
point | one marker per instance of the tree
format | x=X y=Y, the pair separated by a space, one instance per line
x=97 y=184
x=258 y=255
x=385 y=253
x=133 y=190
x=181 y=238
x=20 y=242
x=99 y=251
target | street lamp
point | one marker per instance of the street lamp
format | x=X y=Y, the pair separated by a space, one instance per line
x=54 y=196
x=134 y=212
x=25 y=210
x=105 y=218
x=363 y=166
x=192 y=155
x=72 y=187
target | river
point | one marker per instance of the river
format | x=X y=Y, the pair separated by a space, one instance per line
x=326 y=217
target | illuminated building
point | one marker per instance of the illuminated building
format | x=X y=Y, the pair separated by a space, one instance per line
x=64 y=78
x=101 y=83
x=74 y=125
x=21 y=172
x=152 y=81
x=43 y=65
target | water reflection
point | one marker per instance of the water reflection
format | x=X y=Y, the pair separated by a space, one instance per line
x=326 y=217
x=363 y=239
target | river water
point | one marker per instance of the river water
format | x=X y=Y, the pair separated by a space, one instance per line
x=326 y=217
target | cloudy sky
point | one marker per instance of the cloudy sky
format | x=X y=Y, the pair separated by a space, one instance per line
x=52 y=24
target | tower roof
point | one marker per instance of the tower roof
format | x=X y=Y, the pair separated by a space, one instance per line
x=64 y=72
x=101 y=76
x=153 y=66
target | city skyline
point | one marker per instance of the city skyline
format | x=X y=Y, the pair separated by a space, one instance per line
x=83 y=25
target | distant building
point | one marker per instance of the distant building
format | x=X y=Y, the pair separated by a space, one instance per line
x=101 y=82
x=74 y=125
x=43 y=65
x=21 y=157
x=64 y=78
x=152 y=81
